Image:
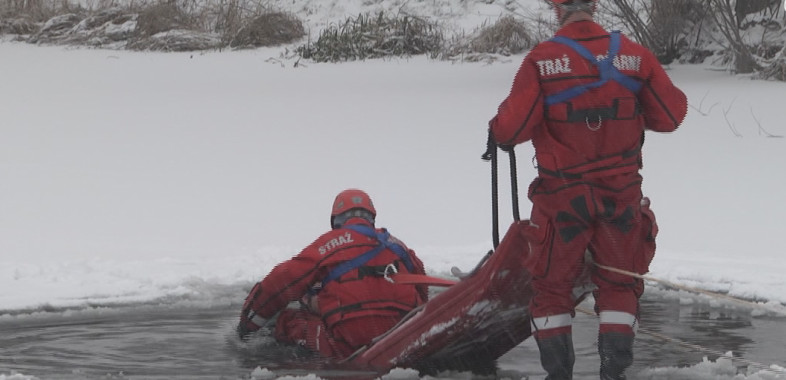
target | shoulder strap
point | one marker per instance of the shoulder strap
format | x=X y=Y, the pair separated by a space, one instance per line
x=384 y=239
x=357 y=262
x=605 y=67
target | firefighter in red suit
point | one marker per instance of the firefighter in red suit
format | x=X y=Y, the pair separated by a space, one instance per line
x=343 y=281
x=584 y=99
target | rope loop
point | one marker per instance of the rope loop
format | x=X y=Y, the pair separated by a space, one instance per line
x=755 y=305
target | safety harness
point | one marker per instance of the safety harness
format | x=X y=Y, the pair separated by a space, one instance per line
x=605 y=67
x=383 y=238
x=615 y=164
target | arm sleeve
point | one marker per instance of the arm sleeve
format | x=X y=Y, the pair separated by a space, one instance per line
x=288 y=281
x=522 y=110
x=663 y=105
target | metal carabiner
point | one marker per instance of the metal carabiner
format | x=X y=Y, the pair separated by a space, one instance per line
x=596 y=127
x=389 y=269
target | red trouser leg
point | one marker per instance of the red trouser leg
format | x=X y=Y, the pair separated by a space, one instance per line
x=618 y=243
x=557 y=249
x=605 y=217
x=306 y=329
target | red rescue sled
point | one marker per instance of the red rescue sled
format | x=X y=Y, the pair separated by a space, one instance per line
x=471 y=324
x=467 y=326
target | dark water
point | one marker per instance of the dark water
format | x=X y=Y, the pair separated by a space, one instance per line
x=164 y=342
x=672 y=335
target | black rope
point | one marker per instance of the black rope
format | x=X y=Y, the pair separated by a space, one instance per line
x=491 y=154
x=514 y=185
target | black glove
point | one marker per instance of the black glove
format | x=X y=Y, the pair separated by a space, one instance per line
x=243 y=331
x=246 y=327
x=491 y=145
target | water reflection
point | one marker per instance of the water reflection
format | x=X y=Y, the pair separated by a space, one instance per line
x=676 y=333
x=673 y=333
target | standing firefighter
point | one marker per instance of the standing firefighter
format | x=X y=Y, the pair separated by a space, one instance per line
x=343 y=280
x=584 y=99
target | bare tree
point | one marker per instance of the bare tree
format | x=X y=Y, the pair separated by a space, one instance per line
x=725 y=17
x=746 y=7
x=662 y=26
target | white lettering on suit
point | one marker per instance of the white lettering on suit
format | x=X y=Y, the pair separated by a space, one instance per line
x=625 y=62
x=335 y=243
x=554 y=66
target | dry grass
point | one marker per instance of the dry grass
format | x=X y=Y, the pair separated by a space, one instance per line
x=776 y=69
x=374 y=36
x=269 y=29
x=506 y=36
x=153 y=24
x=177 y=40
x=162 y=17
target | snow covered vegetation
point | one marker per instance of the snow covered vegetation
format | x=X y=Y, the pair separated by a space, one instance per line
x=744 y=36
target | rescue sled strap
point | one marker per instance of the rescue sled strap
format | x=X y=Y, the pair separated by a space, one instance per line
x=383 y=239
x=605 y=67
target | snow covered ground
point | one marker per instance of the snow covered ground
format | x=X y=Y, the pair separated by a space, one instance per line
x=140 y=177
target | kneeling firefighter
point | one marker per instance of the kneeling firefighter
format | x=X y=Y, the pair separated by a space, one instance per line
x=343 y=281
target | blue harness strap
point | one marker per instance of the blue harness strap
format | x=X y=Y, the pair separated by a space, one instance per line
x=605 y=67
x=384 y=242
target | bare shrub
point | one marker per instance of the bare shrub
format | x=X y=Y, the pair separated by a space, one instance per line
x=36 y=10
x=162 y=17
x=744 y=8
x=269 y=29
x=374 y=36
x=506 y=36
x=724 y=15
x=223 y=17
x=18 y=25
x=101 y=17
x=228 y=17
x=177 y=40
x=671 y=22
x=776 y=68
x=56 y=28
x=112 y=26
x=663 y=26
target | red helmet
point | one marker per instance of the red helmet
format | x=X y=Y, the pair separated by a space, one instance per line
x=351 y=199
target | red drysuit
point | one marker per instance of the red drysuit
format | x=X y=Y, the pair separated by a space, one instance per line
x=588 y=149
x=346 y=313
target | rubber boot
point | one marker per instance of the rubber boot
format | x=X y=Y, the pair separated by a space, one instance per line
x=616 y=355
x=557 y=357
